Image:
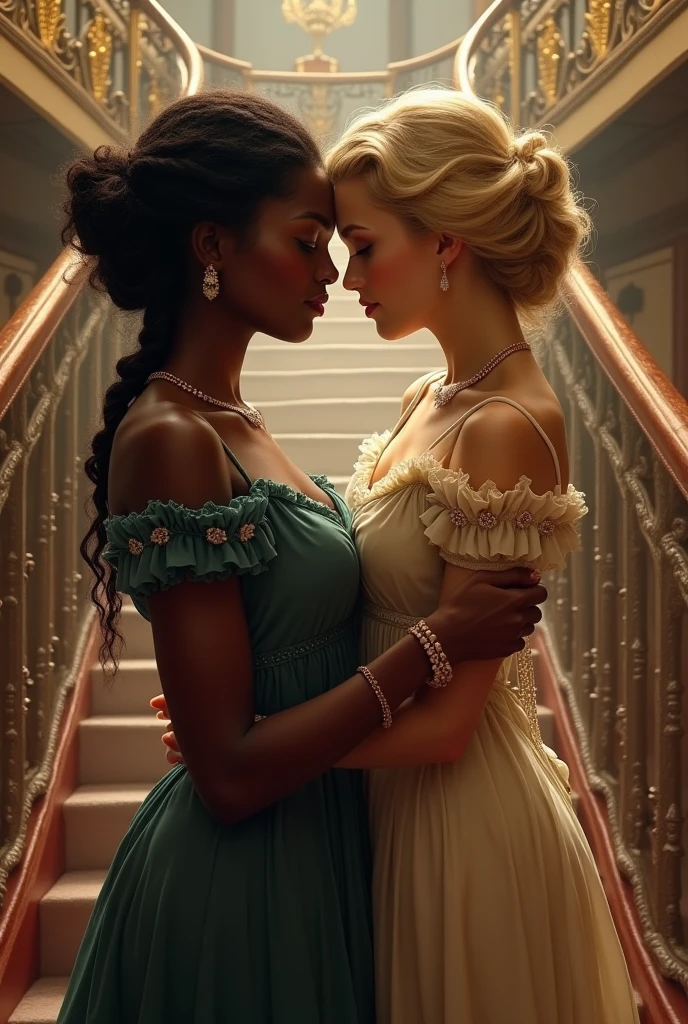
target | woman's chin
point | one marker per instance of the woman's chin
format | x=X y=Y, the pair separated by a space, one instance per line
x=295 y=337
x=389 y=332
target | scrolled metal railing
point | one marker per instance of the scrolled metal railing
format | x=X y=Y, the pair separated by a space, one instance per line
x=326 y=102
x=57 y=354
x=122 y=59
x=617 y=626
x=539 y=59
x=55 y=359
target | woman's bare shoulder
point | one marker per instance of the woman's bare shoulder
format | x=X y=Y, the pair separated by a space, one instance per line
x=167 y=452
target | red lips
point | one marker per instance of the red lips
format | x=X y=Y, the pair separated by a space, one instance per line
x=318 y=303
x=370 y=307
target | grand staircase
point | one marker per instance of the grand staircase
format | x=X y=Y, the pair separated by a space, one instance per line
x=319 y=399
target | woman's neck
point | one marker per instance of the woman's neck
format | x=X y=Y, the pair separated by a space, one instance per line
x=209 y=351
x=474 y=321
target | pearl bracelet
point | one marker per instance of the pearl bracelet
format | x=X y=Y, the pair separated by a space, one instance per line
x=441 y=669
x=377 y=690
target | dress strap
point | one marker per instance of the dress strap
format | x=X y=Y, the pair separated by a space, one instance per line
x=458 y=424
x=236 y=463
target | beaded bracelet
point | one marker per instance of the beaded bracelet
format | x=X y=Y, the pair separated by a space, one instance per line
x=441 y=669
x=377 y=690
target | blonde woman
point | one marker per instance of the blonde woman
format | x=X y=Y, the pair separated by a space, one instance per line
x=488 y=907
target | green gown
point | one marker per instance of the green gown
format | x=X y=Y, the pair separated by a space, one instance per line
x=267 y=921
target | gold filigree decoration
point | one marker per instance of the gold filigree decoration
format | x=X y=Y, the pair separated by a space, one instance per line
x=549 y=44
x=598 y=17
x=48 y=17
x=99 y=55
x=319 y=18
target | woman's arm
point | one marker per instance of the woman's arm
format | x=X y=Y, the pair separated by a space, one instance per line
x=203 y=652
x=437 y=725
x=434 y=725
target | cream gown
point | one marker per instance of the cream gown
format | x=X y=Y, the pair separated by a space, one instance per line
x=488 y=907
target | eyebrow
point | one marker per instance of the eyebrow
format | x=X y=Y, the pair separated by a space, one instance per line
x=314 y=215
x=344 y=232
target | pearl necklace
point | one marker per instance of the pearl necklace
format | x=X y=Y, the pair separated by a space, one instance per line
x=248 y=412
x=445 y=392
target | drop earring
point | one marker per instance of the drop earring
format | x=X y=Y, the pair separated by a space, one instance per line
x=444 y=280
x=211 y=283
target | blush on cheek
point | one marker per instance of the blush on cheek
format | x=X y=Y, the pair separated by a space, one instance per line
x=390 y=274
x=389 y=280
x=283 y=269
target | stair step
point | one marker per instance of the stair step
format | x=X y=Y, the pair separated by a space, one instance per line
x=42 y=1002
x=130 y=691
x=260 y=386
x=331 y=415
x=104 y=812
x=64 y=912
x=95 y=820
x=137 y=633
x=329 y=330
x=333 y=454
x=121 y=748
x=344 y=305
x=275 y=356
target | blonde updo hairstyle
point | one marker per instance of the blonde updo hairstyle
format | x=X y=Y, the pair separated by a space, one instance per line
x=448 y=163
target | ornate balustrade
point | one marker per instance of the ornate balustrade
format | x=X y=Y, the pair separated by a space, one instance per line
x=539 y=59
x=122 y=58
x=57 y=356
x=325 y=102
x=617 y=626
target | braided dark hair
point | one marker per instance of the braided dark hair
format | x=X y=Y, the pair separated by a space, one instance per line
x=211 y=157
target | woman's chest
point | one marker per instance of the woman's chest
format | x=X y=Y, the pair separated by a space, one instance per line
x=400 y=569
x=312 y=585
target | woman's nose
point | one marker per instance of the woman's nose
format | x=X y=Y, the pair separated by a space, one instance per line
x=352 y=280
x=329 y=273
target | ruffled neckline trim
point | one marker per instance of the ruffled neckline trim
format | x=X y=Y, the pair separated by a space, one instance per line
x=275 y=489
x=412 y=471
x=259 y=488
x=418 y=469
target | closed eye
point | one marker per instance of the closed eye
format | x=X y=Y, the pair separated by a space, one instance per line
x=364 y=251
x=308 y=246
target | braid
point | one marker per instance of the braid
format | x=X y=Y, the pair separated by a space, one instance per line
x=214 y=157
x=155 y=342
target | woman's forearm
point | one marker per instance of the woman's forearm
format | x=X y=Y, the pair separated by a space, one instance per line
x=434 y=726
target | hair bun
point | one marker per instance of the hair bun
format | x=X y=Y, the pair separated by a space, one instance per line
x=545 y=172
x=101 y=208
x=525 y=147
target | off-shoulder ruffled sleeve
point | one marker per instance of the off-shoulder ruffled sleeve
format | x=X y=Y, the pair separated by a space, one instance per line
x=489 y=529
x=167 y=543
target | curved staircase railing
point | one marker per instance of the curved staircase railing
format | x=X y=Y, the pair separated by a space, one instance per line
x=56 y=358
x=326 y=101
x=617 y=624
x=539 y=60
x=620 y=657
x=120 y=59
